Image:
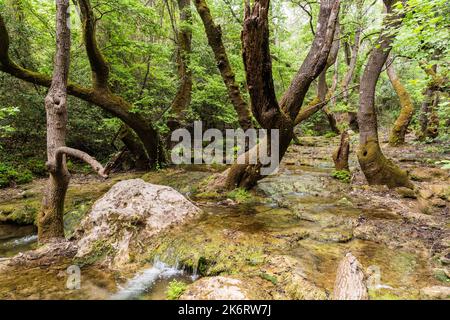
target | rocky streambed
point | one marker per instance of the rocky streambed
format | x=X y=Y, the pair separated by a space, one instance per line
x=282 y=241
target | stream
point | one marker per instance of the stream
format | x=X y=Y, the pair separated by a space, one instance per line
x=301 y=213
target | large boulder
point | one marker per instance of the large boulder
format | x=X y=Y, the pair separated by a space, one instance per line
x=128 y=216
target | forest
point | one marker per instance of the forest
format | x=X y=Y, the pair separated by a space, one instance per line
x=224 y=150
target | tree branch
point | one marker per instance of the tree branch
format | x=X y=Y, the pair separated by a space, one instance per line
x=60 y=152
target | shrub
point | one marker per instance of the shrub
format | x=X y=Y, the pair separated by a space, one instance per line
x=175 y=289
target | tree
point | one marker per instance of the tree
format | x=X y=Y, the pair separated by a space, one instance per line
x=376 y=167
x=270 y=113
x=50 y=219
x=398 y=132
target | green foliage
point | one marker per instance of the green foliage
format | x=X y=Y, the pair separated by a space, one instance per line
x=445 y=164
x=175 y=289
x=269 y=277
x=239 y=195
x=342 y=175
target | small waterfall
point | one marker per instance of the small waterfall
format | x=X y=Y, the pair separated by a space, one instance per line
x=19 y=241
x=144 y=280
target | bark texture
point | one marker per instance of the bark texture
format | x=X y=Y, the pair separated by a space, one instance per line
x=50 y=218
x=350 y=280
x=398 y=132
x=214 y=35
x=376 y=167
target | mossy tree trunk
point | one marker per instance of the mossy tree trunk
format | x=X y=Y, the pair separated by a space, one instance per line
x=376 y=167
x=214 y=35
x=398 y=132
x=270 y=113
x=50 y=218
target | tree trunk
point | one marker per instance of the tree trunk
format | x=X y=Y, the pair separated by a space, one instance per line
x=50 y=218
x=258 y=67
x=135 y=148
x=340 y=156
x=350 y=281
x=428 y=119
x=398 y=132
x=214 y=35
x=376 y=167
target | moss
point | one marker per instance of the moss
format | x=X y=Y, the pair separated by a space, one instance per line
x=379 y=170
x=175 y=289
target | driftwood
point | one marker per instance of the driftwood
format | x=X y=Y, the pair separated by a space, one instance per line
x=350 y=280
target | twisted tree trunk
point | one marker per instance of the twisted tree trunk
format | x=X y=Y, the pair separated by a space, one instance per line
x=376 y=167
x=50 y=218
x=398 y=132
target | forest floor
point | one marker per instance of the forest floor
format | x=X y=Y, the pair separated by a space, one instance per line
x=283 y=240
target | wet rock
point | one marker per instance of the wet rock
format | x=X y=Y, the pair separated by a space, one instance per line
x=227 y=203
x=406 y=192
x=217 y=288
x=130 y=213
x=435 y=292
x=345 y=202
